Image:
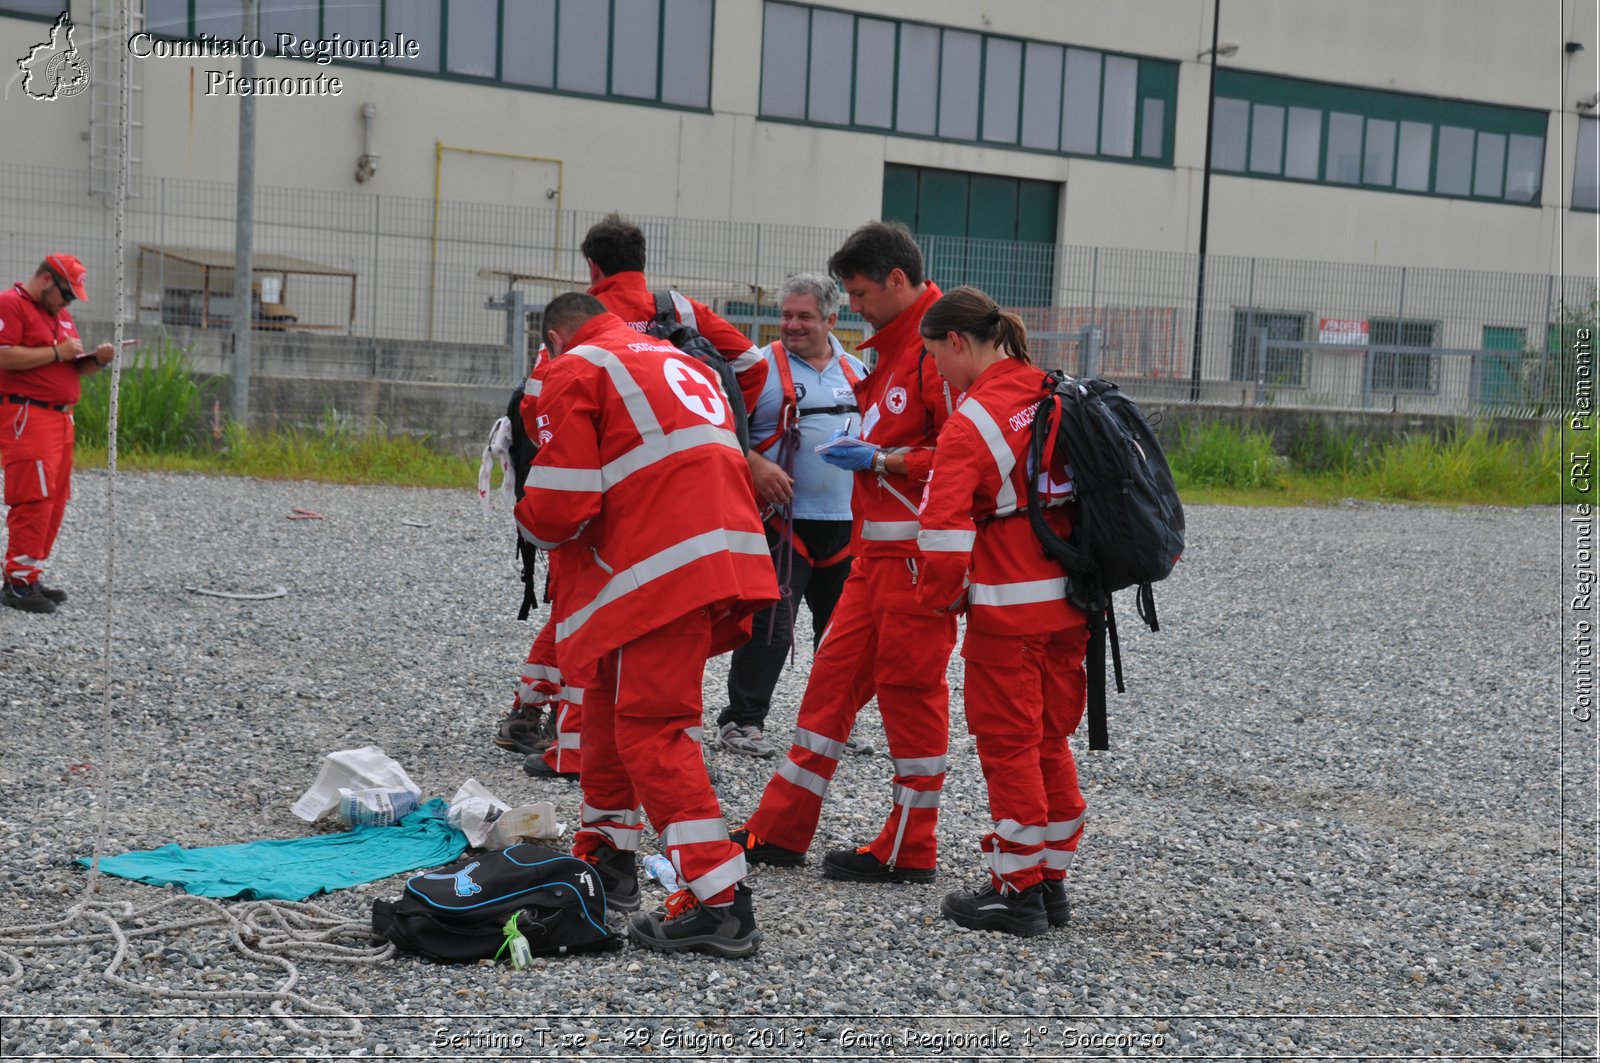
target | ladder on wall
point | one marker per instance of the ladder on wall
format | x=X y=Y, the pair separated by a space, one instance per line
x=104 y=47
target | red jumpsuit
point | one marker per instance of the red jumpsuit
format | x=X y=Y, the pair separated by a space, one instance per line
x=1024 y=644
x=642 y=483
x=542 y=682
x=36 y=437
x=880 y=639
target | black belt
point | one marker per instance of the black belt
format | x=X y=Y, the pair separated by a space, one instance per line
x=23 y=400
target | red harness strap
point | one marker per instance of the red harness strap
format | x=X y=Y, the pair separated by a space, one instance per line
x=789 y=412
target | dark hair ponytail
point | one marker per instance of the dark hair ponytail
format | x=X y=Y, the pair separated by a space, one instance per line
x=972 y=313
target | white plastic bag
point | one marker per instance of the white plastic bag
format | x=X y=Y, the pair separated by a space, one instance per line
x=536 y=821
x=351 y=769
x=473 y=811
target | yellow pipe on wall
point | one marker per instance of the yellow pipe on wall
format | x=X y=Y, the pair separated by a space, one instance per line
x=439 y=148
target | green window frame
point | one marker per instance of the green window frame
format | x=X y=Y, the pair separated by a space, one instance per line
x=1018 y=87
x=1403 y=371
x=525 y=47
x=1283 y=368
x=1289 y=129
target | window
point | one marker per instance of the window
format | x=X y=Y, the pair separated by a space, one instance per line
x=836 y=67
x=1586 y=169
x=1499 y=369
x=976 y=228
x=1340 y=134
x=45 y=9
x=1394 y=370
x=610 y=49
x=1277 y=367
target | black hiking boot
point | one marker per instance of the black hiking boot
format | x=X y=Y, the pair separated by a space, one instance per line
x=859 y=865
x=757 y=851
x=619 y=874
x=1056 y=908
x=26 y=597
x=1010 y=912
x=683 y=924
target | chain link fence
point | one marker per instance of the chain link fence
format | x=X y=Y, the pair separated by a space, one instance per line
x=1274 y=332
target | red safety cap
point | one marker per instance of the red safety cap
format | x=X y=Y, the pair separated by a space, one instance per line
x=69 y=269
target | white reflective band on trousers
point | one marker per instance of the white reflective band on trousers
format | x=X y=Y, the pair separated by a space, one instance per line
x=887 y=531
x=572 y=695
x=700 y=832
x=1019 y=834
x=674 y=557
x=804 y=778
x=622 y=827
x=1005 y=499
x=1027 y=592
x=1003 y=863
x=1060 y=831
x=947 y=541
x=819 y=744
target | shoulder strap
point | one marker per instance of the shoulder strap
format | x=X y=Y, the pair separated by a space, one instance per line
x=665 y=311
x=790 y=408
x=850 y=376
x=684 y=309
x=928 y=433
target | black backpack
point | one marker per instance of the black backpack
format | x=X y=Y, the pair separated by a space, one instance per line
x=1129 y=527
x=458 y=913
x=523 y=450
x=687 y=339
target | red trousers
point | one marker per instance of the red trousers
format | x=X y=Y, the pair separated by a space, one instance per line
x=36 y=455
x=1024 y=696
x=542 y=684
x=641 y=727
x=881 y=641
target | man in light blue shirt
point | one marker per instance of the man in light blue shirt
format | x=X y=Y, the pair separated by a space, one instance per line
x=807 y=398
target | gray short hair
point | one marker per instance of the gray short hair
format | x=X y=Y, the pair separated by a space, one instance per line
x=813 y=284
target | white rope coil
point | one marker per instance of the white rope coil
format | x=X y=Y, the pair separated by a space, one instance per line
x=272 y=933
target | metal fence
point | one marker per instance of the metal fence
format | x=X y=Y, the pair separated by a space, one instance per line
x=1276 y=332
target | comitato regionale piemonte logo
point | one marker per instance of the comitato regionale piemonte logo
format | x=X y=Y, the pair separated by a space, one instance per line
x=54 y=69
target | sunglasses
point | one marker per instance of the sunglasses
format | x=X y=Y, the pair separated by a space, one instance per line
x=64 y=288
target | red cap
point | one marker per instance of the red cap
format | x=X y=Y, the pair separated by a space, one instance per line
x=69 y=269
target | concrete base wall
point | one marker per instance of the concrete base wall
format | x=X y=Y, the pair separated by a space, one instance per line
x=452 y=393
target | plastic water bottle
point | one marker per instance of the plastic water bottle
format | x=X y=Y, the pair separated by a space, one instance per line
x=661 y=869
x=378 y=807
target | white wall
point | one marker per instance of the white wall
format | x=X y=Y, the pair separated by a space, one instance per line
x=729 y=165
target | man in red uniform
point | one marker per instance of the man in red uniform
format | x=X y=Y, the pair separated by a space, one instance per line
x=42 y=361
x=642 y=491
x=615 y=252
x=614 y=249
x=880 y=639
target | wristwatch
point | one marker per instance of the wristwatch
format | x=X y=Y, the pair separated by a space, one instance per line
x=880 y=462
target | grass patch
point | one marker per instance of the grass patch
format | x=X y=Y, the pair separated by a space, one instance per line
x=1217 y=463
x=1217 y=455
x=160 y=404
x=331 y=453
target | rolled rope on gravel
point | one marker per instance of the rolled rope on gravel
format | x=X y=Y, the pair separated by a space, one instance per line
x=268 y=932
x=244 y=596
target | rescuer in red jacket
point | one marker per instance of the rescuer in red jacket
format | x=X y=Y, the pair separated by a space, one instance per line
x=880 y=640
x=615 y=250
x=1024 y=646
x=42 y=362
x=643 y=488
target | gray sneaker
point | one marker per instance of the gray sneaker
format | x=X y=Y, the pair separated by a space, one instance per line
x=859 y=746
x=747 y=739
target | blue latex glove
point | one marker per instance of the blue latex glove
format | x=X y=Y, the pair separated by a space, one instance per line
x=848 y=453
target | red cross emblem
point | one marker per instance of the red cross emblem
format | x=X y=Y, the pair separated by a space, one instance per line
x=701 y=397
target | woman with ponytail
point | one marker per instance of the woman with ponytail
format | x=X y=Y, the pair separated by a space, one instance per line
x=1024 y=645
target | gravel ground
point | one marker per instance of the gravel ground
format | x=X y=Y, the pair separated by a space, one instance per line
x=1333 y=820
